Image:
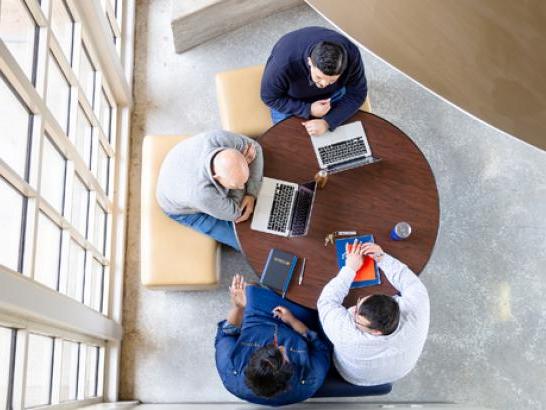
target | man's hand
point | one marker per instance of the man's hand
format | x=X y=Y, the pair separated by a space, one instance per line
x=237 y=291
x=373 y=250
x=315 y=127
x=247 y=207
x=249 y=153
x=287 y=317
x=354 y=255
x=320 y=108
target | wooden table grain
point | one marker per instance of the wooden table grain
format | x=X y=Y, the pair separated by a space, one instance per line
x=369 y=200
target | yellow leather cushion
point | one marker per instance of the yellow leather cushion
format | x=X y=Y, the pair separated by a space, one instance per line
x=172 y=255
x=241 y=108
x=239 y=102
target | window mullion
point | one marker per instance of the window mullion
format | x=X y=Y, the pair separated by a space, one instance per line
x=55 y=386
x=20 y=374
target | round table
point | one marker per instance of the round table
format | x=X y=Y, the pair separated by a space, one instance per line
x=370 y=200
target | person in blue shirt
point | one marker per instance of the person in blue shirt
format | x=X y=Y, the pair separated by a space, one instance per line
x=316 y=74
x=266 y=350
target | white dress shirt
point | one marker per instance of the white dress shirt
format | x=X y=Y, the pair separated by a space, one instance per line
x=365 y=359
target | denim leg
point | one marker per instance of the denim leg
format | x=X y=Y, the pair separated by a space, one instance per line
x=220 y=230
x=277 y=116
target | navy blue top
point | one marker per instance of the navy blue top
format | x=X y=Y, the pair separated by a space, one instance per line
x=287 y=85
x=309 y=355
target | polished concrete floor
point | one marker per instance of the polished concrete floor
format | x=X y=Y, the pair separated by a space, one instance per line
x=485 y=277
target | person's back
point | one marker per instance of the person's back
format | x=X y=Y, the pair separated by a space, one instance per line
x=209 y=181
x=380 y=339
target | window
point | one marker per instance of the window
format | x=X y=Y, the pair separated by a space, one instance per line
x=48 y=248
x=69 y=371
x=58 y=93
x=91 y=371
x=6 y=350
x=39 y=370
x=84 y=135
x=76 y=271
x=80 y=205
x=16 y=126
x=62 y=25
x=19 y=32
x=12 y=213
x=105 y=115
x=53 y=176
x=64 y=114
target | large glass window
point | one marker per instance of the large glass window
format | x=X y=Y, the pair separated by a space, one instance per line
x=84 y=135
x=80 y=205
x=53 y=176
x=15 y=125
x=76 y=271
x=95 y=285
x=91 y=367
x=5 y=364
x=58 y=93
x=12 y=208
x=103 y=165
x=87 y=75
x=69 y=371
x=62 y=25
x=105 y=115
x=100 y=228
x=39 y=370
x=18 y=31
x=48 y=248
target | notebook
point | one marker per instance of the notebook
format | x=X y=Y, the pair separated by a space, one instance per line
x=278 y=271
x=368 y=274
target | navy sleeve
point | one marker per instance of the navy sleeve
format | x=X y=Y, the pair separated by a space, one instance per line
x=356 y=91
x=319 y=353
x=274 y=93
x=226 y=338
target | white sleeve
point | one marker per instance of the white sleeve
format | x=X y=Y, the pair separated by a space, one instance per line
x=333 y=316
x=412 y=291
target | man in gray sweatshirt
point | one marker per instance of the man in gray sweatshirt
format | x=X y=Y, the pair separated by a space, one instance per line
x=211 y=180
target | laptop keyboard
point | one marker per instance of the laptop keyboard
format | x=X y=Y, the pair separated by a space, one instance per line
x=280 y=210
x=344 y=150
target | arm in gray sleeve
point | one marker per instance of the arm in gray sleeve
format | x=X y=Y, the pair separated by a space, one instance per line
x=224 y=208
x=256 y=168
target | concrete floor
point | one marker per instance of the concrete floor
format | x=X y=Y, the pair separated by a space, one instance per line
x=485 y=277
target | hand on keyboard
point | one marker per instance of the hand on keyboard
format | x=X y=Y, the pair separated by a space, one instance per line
x=247 y=207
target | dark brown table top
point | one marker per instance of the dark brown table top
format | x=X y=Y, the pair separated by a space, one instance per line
x=369 y=200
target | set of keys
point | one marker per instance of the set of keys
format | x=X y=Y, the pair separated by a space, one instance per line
x=331 y=237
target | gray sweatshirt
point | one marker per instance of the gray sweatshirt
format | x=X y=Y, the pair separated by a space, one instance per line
x=185 y=184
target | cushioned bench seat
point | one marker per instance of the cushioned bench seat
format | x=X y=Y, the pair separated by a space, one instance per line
x=241 y=108
x=172 y=256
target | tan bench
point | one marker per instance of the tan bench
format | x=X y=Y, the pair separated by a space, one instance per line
x=241 y=108
x=172 y=256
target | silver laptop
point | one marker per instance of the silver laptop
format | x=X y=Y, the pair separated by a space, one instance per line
x=283 y=208
x=344 y=148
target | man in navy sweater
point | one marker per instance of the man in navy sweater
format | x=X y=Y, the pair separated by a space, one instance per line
x=317 y=74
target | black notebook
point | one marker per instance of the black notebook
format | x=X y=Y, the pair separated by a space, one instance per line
x=278 y=271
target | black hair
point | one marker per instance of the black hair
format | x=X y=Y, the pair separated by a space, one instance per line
x=382 y=312
x=267 y=374
x=329 y=57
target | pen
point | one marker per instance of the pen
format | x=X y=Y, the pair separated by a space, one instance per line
x=300 y=279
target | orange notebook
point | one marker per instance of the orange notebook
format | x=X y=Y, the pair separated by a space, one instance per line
x=368 y=274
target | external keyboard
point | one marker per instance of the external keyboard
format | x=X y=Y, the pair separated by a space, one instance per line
x=341 y=151
x=280 y=210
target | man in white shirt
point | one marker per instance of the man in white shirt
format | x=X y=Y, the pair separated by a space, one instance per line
x=379 y=339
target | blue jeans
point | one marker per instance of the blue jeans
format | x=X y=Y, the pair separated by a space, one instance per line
x=220 y=230
x=277 y=116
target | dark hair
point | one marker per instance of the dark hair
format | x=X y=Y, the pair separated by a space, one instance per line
x=267 y=374
x=330 y=58
x=382 y=312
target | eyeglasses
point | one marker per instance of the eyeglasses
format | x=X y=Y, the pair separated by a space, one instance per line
x=355 y=316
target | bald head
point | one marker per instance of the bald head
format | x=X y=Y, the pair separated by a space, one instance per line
x=230 y=169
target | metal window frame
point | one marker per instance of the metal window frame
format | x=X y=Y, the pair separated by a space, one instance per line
x=29 y=305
